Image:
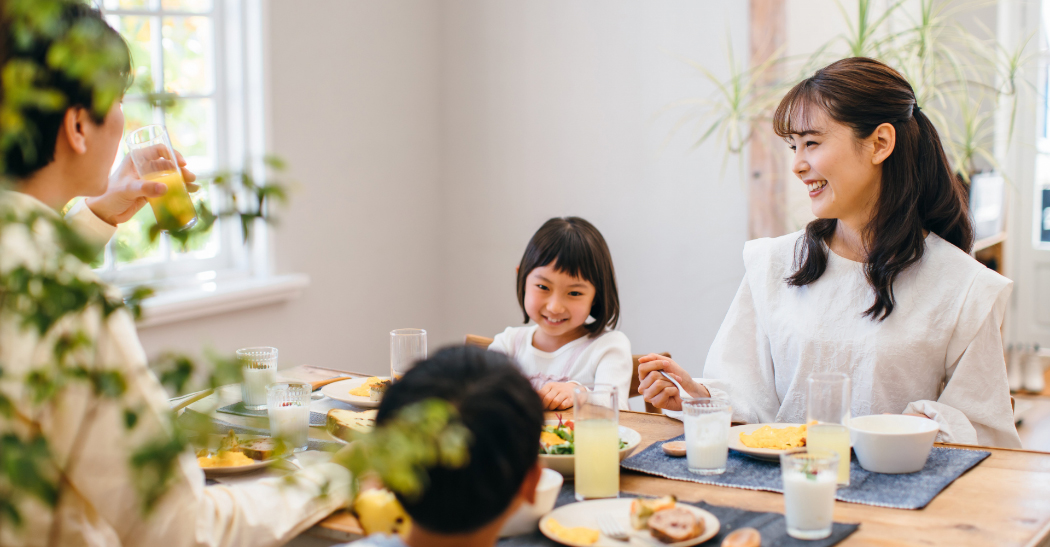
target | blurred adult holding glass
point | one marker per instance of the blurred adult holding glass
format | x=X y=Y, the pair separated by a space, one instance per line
x=70 y=154
x=880 y=286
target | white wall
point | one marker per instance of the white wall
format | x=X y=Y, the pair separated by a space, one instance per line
x=354 y=112
x=433 y=138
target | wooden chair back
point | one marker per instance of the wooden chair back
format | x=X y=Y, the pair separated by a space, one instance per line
x=483 y=342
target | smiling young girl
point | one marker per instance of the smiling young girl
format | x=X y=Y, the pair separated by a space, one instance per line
x=567 y=289
x=881 y=286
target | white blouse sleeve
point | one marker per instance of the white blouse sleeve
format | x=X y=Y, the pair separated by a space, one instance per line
x=739 y=365
x=88 y=226
x=615 y=364
x=974 y=406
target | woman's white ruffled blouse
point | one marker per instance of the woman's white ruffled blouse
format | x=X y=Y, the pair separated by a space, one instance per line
x=939 y=353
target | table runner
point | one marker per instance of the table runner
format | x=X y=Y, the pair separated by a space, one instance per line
x=907 y=491
x=770 y=525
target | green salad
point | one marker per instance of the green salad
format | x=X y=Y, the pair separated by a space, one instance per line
x=558 y=439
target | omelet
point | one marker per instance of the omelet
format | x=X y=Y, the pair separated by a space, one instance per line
x=548 y=439
x=579 y=535
x=224 y=459
x=776 y=439
x=365 y=389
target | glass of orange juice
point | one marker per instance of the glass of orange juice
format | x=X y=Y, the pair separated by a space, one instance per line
x=154 y=158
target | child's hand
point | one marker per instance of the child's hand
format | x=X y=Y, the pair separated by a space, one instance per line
x=557 y=395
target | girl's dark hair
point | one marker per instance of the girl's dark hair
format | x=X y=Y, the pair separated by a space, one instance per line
x=578 y=249
x=24 y=158
x=504 y=416
x=917 y=192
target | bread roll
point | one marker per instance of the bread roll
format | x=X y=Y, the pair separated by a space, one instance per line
x=675 y=524
x=744 y=537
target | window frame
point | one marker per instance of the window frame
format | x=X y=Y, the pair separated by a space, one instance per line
x=239 y=146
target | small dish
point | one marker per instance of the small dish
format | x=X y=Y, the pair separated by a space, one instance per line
x=566 y=463
x=767 y=454
x=892 y=443
x=586 y=514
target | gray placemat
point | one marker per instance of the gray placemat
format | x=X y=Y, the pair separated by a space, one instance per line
x=908 y=491
x=238 y=409
x=770 y=525
x=191 y=419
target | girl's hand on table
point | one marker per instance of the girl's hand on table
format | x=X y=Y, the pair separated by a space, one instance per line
x=557 y=395
x=659 y=391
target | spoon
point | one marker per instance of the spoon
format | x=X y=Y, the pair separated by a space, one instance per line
x=681 y=390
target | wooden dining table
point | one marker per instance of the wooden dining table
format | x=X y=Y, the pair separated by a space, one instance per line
x=1003 y=501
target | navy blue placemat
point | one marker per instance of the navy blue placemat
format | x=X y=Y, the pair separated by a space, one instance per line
x=770 y=526
x=908 y=491
x=238 y=409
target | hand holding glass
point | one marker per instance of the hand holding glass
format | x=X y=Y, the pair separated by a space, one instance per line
x=154 y=159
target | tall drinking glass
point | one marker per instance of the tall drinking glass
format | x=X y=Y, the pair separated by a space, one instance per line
x=596 y=411
x=288 y=407
x=154 y=158
x=407 y=347
x=707 y=423
x=259 y=366
x=828 y=404
x=809 y=492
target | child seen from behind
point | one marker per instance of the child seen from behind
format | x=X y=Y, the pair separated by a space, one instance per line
x=567 y=289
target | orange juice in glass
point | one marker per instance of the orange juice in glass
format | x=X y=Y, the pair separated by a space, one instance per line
x=154 y=158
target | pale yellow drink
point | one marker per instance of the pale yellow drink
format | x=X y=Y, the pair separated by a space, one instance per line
x=835 y=438
x=174 y=210
x=597 y=459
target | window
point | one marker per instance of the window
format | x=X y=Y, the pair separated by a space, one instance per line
x=193 y=59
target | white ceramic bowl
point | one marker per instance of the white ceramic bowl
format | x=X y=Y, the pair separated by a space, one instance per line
x=566 y=463
x=892 y=443
x=527 y=518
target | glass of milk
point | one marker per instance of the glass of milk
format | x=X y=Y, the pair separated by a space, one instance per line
x=260 y=370
x=288 y=406
x=810 y=480
x=706 y=434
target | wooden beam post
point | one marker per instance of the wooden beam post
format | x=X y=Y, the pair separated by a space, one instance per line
x=767 y=203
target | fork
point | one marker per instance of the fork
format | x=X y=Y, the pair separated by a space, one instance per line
x=611 y=528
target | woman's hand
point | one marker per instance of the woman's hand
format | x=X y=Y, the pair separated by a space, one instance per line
x=127 y=192
x=660 y=392
x=557 y=395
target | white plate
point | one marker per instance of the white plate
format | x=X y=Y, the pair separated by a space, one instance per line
x=566 y=463
x=767 y=454
x=223 y=471
x=586 y=513
x=340 y=391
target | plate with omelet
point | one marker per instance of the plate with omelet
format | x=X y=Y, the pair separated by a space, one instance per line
x=233 y=454
x=767 y=441
x=360 y=392
x=654 y=523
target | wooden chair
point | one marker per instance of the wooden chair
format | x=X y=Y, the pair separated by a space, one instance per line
x=483 y=342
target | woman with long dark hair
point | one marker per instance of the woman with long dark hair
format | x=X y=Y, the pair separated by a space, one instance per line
x=881 y=286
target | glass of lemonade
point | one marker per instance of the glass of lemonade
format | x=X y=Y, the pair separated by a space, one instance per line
x=596 y=411
x=707 y=423
x=810 y=477
x=259 y=366
x=828 y=405
x=288 y=407
x=154 y=158
x=407 y=347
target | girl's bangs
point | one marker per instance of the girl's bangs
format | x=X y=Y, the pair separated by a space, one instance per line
x=794 y=115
